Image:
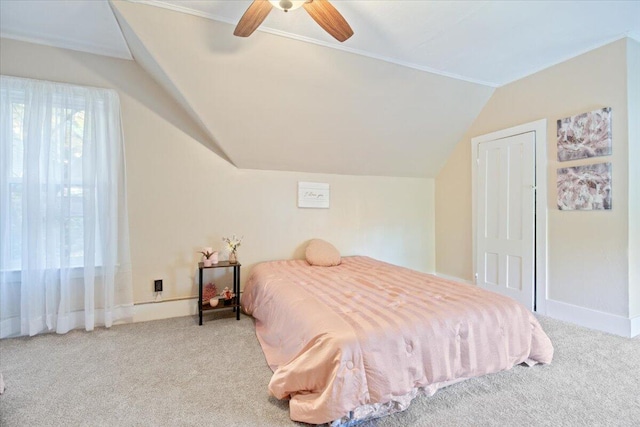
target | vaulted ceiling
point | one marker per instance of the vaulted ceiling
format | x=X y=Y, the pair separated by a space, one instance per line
x=394 y=99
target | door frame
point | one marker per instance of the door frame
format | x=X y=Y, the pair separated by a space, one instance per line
x=539 y=128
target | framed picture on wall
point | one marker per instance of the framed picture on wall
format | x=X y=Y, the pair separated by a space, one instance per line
x=584 y=187
x=313 y=195
x=585 y=135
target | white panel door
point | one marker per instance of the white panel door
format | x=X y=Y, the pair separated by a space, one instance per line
x=506 y=217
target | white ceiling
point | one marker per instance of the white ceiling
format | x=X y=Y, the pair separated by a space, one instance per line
x=488 y=42
x=274 y=103
x=84 y=25
x=271 y=102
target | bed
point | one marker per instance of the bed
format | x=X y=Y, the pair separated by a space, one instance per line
x=361 y=339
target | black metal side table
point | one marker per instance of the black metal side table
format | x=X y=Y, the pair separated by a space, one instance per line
x=235 y=301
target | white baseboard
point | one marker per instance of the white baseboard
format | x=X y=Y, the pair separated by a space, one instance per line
x=635 y=326
x=593 y=319
x=165 y=309
x=141 y=313
x=453 y=279
x=581 y=316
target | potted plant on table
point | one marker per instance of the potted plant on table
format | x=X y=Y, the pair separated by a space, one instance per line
x=209 y=257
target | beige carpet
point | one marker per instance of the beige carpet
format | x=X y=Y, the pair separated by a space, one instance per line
x=176 y=373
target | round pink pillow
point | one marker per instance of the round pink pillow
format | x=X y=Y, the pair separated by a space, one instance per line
x=322 y=253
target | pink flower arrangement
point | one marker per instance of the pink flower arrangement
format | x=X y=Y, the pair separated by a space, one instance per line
x=227 y=294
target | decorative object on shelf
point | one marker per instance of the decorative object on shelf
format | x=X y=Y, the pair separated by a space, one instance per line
x=232 y=244
x=585 y=135
x=585 y=187
x=227 y=295
x=209 y=291
x=209 y=257
x=213 y=302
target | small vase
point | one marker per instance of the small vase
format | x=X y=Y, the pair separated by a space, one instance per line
x=206 y=262
x=233 y=257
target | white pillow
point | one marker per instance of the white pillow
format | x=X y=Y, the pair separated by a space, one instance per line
x=322 y=253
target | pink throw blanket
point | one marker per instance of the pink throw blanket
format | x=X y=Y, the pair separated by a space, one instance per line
x=367 y=332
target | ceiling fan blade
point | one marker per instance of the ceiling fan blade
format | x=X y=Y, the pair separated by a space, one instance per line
x=252 y=18
x=329 y=18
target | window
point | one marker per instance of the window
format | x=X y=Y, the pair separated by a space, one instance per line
x=67 y=128
x=63 y=205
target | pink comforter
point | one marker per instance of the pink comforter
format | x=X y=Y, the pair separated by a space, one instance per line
x=367 y=332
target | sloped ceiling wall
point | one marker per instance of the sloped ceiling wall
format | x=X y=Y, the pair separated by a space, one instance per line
x=279 y=104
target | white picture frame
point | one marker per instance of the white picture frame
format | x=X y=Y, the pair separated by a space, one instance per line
x=315 y=195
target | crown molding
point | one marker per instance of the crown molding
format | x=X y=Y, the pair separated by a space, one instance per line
x=264 y=29
x=63 y=43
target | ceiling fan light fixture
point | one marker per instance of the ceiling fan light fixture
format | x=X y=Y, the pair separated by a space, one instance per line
x=321 y=11
x=287 y=5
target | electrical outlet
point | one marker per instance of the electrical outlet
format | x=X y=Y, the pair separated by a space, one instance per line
x=157 y=285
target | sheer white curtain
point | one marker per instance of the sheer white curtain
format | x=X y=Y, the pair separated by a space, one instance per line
x=64 y=238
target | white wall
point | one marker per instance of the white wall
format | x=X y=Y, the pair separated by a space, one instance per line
x=588 y=251
x=633 y=82
x=276 y=103
x=182 y=196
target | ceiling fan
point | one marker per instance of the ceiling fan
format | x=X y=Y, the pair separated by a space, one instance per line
x=320 y=10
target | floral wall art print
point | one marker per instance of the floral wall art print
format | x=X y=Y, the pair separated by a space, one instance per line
x=585 y=135
x=585 y=187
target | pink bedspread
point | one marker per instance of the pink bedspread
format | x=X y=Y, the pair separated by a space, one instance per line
x=367 y=332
